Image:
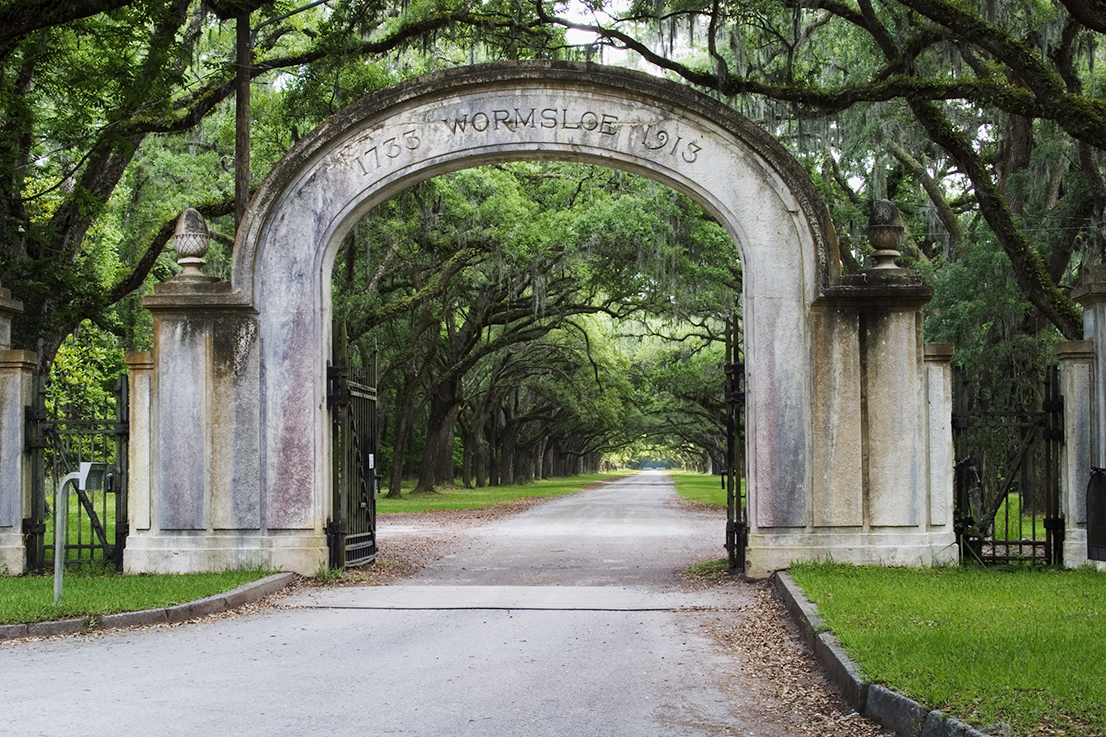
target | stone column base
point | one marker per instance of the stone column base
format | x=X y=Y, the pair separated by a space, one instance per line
x=889 y=546
x=13 y=553
x=1075 y=550
x=188 y=553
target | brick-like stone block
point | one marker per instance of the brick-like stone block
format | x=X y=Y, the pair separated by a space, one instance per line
x=842 y=671
x=198 y=608
x=251 y=592
x=895 y=711
x=12 y=631
x=61 y=627
x=133 y=619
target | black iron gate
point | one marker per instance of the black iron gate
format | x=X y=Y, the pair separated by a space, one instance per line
x=737 y=526
x=1007 y=478
x=58 y=440
x=1096 y=515
x=351 y=397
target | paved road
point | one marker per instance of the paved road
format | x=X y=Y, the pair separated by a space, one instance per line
x=569 y=619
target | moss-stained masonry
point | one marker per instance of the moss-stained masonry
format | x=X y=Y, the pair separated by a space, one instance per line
x=847 y=452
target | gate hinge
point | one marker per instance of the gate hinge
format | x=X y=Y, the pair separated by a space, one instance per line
x=123 y=429
x=960 y=422
x=33 y=527
x=30 y=414
x=1054 y=523
x=1053 y=405
x=1051 y=434
x=337 y=386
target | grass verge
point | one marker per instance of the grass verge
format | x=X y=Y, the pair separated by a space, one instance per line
x=1020 y=647
x=26 y=599
x=703 y=488
x=450 y=498
x=711 y=570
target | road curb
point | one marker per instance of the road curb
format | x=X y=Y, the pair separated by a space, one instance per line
x=892 y=710
x=245 y=594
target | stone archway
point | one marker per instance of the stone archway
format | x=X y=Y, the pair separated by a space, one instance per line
x=233 y=396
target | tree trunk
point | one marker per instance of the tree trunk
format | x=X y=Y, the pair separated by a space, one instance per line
x=444 y=471
x=480 y=455
x=493 y=449
x=466 y=456
x=509 y=443
x=404 y=419
x=439 y=430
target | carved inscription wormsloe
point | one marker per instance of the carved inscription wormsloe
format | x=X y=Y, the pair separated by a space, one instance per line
x=654 y=137
x=607 y=131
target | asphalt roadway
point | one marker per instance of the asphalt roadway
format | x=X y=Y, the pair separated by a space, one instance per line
x=568 y=619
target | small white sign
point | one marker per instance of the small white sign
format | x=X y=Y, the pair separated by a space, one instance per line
x=372 y=460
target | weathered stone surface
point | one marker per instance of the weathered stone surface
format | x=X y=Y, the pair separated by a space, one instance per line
x=12 y=631
x=132 y=619
x=1092 y=295
x=842 y=671
x=140 y=374
x=939 y=450
x=182 y=351
x=236 y=424
x=15 y=394
x=838 y=479
x=895 y=711
x=1077 y=365
x=251 y=592
x=199 y=608
x=246 y=360
x=938 y=724
x=892 y=389
x=61 y=627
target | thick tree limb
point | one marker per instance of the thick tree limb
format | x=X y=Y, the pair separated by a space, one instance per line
x=1030 y=270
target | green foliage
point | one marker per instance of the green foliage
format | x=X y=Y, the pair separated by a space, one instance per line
x=506 y=290
x=84 y=375
x=997 y=335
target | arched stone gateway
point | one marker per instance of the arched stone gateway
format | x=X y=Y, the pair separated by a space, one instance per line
x=229 y=410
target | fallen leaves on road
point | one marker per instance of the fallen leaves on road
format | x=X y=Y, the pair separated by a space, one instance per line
x=791 y=689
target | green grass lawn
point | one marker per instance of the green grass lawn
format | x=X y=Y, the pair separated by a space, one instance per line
x=1019 y=526
x=95 y=593
x=488 y=496
x=700 y=487
x=1025 y=647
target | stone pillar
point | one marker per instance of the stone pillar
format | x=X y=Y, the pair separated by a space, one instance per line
x=195 y=425
x=140 y=374
x=882 y=486
x=1092 y=295
x=16 y=372
x=1077 y=387
x=939 y=451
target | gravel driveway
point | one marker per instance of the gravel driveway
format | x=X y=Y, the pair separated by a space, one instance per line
x=568 y=617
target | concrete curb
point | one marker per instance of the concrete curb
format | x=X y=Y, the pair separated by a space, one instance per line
x=896 y=712
x=244 y=594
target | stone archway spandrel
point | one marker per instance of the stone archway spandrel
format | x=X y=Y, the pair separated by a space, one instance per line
x=494 y=113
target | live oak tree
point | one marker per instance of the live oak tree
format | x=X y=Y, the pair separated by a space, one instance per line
x=983 y=121
x=89 y=89
x=482 y=288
